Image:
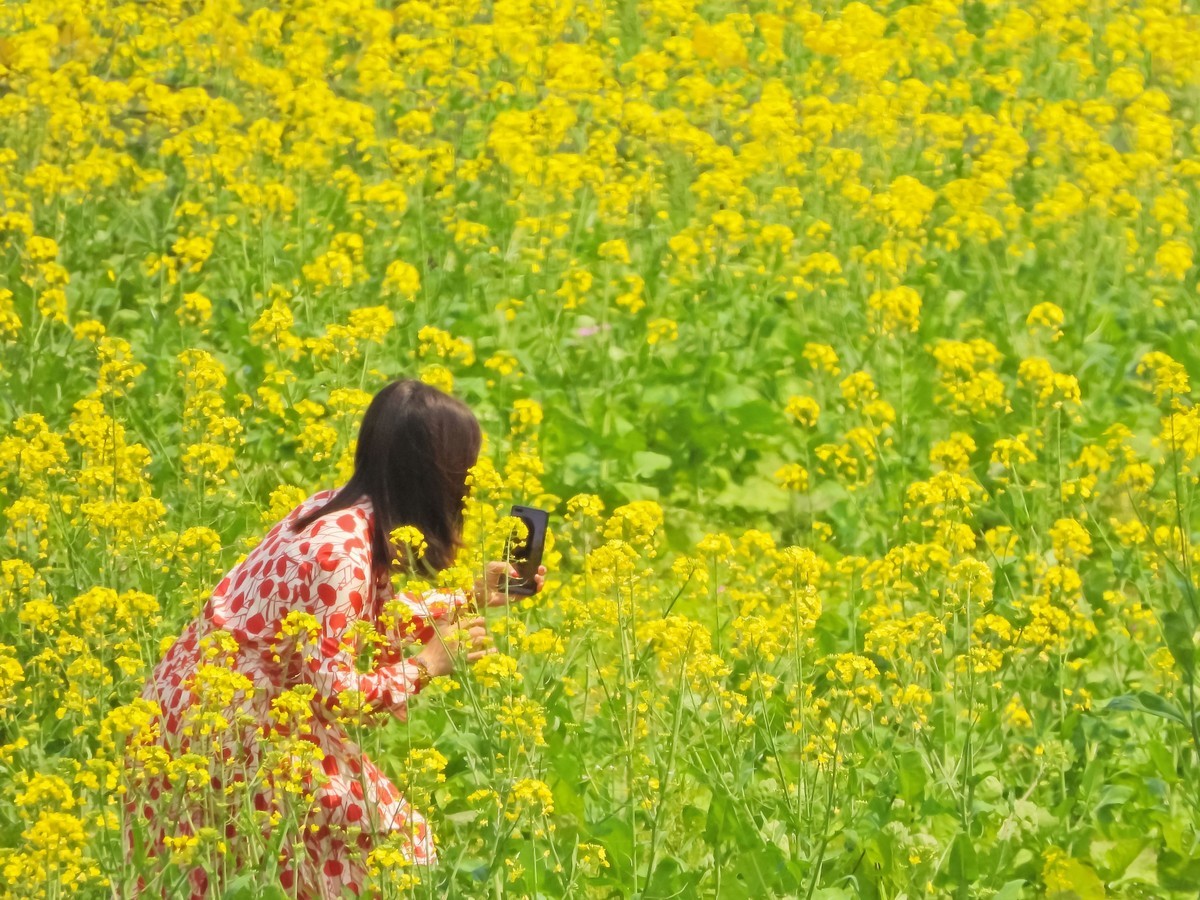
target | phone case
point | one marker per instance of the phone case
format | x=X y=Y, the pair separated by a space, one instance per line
x=527 y=556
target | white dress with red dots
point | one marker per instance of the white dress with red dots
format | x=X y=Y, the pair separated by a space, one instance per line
x=324 y=570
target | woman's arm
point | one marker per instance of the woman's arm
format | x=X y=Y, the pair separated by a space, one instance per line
x=337 y=598
x=413 y=618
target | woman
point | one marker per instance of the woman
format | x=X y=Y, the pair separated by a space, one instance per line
x=325 y=567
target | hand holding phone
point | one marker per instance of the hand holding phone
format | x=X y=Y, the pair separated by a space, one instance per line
x=525 y=554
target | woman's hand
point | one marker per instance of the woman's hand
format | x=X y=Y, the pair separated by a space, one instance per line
x=495 y=573
x=438 y=654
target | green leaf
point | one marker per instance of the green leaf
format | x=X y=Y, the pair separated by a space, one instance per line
x=660 y=395
x=670 y=879
x=1178 y=632
x=724 y=819
x=756 y=494
x=757 y=869
x=1147 y=702
x=1163 y=759
x=462 y=817
x=963 y=864
x=632 y=490
x=615 y=836
x=580 y=467
x=1084 y=883
x=647 y=462
x=1112 y=795
x=758 y=416
x=733 y=397
x=1011 y=890
x=1126 y=861
x=1179 y=872
x=913 y=776
x=568 y=796
x=1112 y=857
x=246 y=887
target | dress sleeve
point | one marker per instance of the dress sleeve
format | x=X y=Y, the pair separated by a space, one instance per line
x=338 y=592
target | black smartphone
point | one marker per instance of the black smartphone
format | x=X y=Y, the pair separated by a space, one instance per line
x=525 y=554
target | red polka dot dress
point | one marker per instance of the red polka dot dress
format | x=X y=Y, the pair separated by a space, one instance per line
x=325 y=571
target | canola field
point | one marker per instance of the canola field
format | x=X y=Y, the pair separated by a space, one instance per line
x=848 y=343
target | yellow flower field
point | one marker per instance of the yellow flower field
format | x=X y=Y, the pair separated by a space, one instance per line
x=850 y=346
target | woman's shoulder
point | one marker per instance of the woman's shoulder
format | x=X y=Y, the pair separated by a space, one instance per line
x=354 y=519
x=315 y=501
x=312 y=502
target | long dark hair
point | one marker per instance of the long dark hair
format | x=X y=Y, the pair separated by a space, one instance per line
x=415 y=447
